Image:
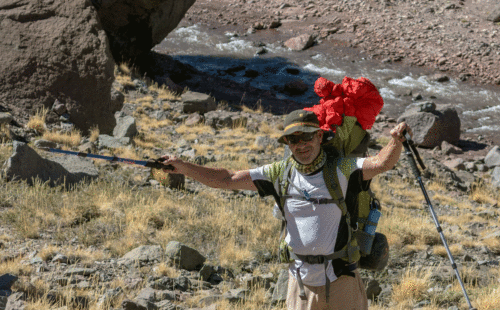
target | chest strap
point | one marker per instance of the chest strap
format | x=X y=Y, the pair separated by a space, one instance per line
x=319 y=201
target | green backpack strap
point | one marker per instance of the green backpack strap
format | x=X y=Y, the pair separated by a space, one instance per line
x=351 y=250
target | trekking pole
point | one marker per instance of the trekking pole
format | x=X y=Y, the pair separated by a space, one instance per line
x=146 y=163
x=410 y=151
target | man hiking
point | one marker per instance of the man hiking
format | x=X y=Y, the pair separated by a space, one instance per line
x=312 y=216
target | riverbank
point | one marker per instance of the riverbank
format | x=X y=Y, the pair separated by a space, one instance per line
x=453 y=38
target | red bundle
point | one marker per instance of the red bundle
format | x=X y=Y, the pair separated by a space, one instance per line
x=359 y=98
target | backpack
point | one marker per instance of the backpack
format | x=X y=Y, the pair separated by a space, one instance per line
x=357 y=240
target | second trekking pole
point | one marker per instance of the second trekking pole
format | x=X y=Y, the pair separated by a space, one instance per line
x=410 y=151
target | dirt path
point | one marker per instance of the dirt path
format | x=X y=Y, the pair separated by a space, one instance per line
x=449 y=37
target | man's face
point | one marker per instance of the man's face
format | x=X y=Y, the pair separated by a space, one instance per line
x=305 y=146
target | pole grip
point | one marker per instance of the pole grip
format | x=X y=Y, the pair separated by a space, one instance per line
x=411 y=159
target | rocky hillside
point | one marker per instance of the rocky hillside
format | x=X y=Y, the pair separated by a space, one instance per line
x=131 y=237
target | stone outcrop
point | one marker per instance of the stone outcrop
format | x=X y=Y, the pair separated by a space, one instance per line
x=26 y=164
x=432 y=127
x=56 y=51
x=134 y=27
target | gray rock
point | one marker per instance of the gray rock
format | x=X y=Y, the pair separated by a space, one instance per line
x=26 y=164
x=128 y=304
x=6 y=281
x=494 y=14
x=106 y=141
x=300 y=43
x=60 y=258
x=80 y=271
x=431 y=129
x=492 y=159
x=495 y=174
x=448 y=148
x=206 y=272
x=146 y=297
x=193 y=119
x=41 y=143
x=135 y=27
x=197 y=103
x=184 y=256
x=236 y=295
x=281 y=288
x=66 y=41
x=109 y=296
x=455 y=164
x=125 y=127
x=5 y=118
x=16 y=301
x=221 y=119
x=143 y=254
x=209 y=300
x=59 y=107
x=373 y=289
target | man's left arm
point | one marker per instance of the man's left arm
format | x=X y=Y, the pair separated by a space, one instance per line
x=387 y=158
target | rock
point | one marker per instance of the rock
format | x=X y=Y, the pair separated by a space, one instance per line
x=135 y=27
x=494 y=14
x=109 y=142
x=438 y=77
x=125 y=126
x=184 y=256
x=5 y=118
x=16 y=301
x=26 y=164
x=143 y=254
x=300 y=43
x=220 y=119
x=174 y=181
x=281 y=288
x=56 y=50
x=59 y=107
x=146 y=296
x=109 y=296
x=295 y=87
x=492 y=159
x=274 y=24
x=7 y=280
x=80 y=271
x=193 y=119
x=236 y=295
x=128 y=304
x=448 y=148
x=206 y=272
x=45 y=144
x=373 y=289
x=430 y=129
x=495 y=175
x=60 y=258
x=197 y=103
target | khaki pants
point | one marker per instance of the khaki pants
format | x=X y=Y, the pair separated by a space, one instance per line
x=346 y=293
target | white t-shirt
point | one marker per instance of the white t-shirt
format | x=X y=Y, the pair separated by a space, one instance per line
x=311 y=228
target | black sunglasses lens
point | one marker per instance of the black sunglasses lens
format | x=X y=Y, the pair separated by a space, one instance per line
x=292 y=139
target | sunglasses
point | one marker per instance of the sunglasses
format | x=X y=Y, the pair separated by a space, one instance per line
x=305 y=137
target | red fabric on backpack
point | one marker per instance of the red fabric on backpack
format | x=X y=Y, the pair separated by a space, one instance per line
x=353 y=97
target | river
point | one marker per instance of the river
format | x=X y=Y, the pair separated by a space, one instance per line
x=216 y=51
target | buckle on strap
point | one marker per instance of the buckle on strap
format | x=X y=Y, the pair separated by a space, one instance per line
x=312 y=259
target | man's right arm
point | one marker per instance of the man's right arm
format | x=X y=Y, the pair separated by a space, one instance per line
x=212 y=177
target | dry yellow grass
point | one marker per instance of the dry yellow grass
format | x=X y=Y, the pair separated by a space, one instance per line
x=455 y=249
x=37 y=121
x=94 y=134
x=164 y=93
x=412 y=287
x=68 y=139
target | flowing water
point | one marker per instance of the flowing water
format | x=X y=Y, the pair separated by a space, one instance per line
x=215 y=52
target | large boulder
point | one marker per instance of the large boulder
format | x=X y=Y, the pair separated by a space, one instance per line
x=432 y=127
x=26 y=164
x=56 y=51
x=135 y=27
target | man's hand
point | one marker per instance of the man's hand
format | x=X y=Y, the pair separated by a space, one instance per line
x=174 y=162
x=397 y=132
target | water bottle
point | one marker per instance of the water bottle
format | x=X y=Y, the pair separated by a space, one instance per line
x=373 y=218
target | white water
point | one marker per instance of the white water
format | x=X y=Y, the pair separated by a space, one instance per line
x=478 y=107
